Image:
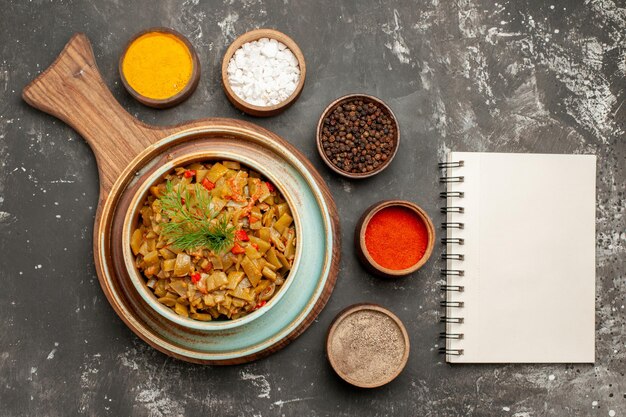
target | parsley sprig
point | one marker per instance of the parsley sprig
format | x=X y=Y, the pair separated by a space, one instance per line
x=192 y=223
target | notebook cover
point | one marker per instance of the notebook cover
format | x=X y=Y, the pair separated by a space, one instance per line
x=529 y=258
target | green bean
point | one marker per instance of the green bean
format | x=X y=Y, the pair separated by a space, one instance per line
x=200 y=284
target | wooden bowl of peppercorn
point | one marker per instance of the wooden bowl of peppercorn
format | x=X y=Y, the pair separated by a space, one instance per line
x=358 y=136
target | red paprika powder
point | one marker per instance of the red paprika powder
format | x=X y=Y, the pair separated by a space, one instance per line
x=396 y=238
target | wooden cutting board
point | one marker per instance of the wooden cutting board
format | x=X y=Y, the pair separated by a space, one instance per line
x=127 y=151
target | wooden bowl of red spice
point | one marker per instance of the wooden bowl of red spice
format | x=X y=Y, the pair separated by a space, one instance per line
x=394 y=238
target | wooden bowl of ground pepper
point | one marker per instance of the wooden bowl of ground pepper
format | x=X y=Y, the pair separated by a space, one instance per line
x=358 y=136
x=367 y=345
x=394 y=238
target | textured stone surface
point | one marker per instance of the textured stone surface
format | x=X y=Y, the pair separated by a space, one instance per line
x=518 y=76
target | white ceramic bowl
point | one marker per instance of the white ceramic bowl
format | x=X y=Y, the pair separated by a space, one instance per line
x=132 y=217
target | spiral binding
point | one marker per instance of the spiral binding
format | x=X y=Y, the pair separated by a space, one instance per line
x=444 y=335
x=451 y=303
x=453 y=256
x=457 y=194
x=452 y=210
x=456 y=208
x=455 y=352
x=456 y=164
x=457 y=288
x=451 y=179
x=446 y=319
x=453 y=272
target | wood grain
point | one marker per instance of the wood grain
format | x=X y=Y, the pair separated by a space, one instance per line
x=73 y=90
x=112 y=225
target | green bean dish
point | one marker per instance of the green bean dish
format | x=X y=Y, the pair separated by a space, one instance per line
x=214 y=240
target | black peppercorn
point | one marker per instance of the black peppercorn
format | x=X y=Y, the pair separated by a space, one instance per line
x=358 y=136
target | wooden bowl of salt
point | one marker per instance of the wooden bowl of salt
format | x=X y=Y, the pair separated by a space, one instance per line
x=367 y=345
x=244 y=41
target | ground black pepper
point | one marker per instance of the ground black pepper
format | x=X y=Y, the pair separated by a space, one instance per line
x=368 y=347
x=358 y=136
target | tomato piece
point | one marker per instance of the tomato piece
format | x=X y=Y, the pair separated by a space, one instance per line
x=207 y=184
x=237 y=249
x=242 y=235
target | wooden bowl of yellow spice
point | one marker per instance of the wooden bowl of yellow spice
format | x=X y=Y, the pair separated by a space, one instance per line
x=159 y=67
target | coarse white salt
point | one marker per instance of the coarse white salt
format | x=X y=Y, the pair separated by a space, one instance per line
x=263 y=72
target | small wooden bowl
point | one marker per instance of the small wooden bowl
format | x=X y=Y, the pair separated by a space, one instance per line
x=184 y=93
x=253 y=35
x=336 y=358
x=361 y=248
x=329 y=109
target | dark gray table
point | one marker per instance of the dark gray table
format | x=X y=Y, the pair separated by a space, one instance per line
x=466 y=75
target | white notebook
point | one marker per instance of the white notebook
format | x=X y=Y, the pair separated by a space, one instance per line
x=520 y=250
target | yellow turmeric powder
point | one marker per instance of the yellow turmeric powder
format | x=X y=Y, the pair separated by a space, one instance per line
x=157 y=65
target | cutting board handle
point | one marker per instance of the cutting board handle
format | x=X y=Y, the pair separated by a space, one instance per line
x=72 y=90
